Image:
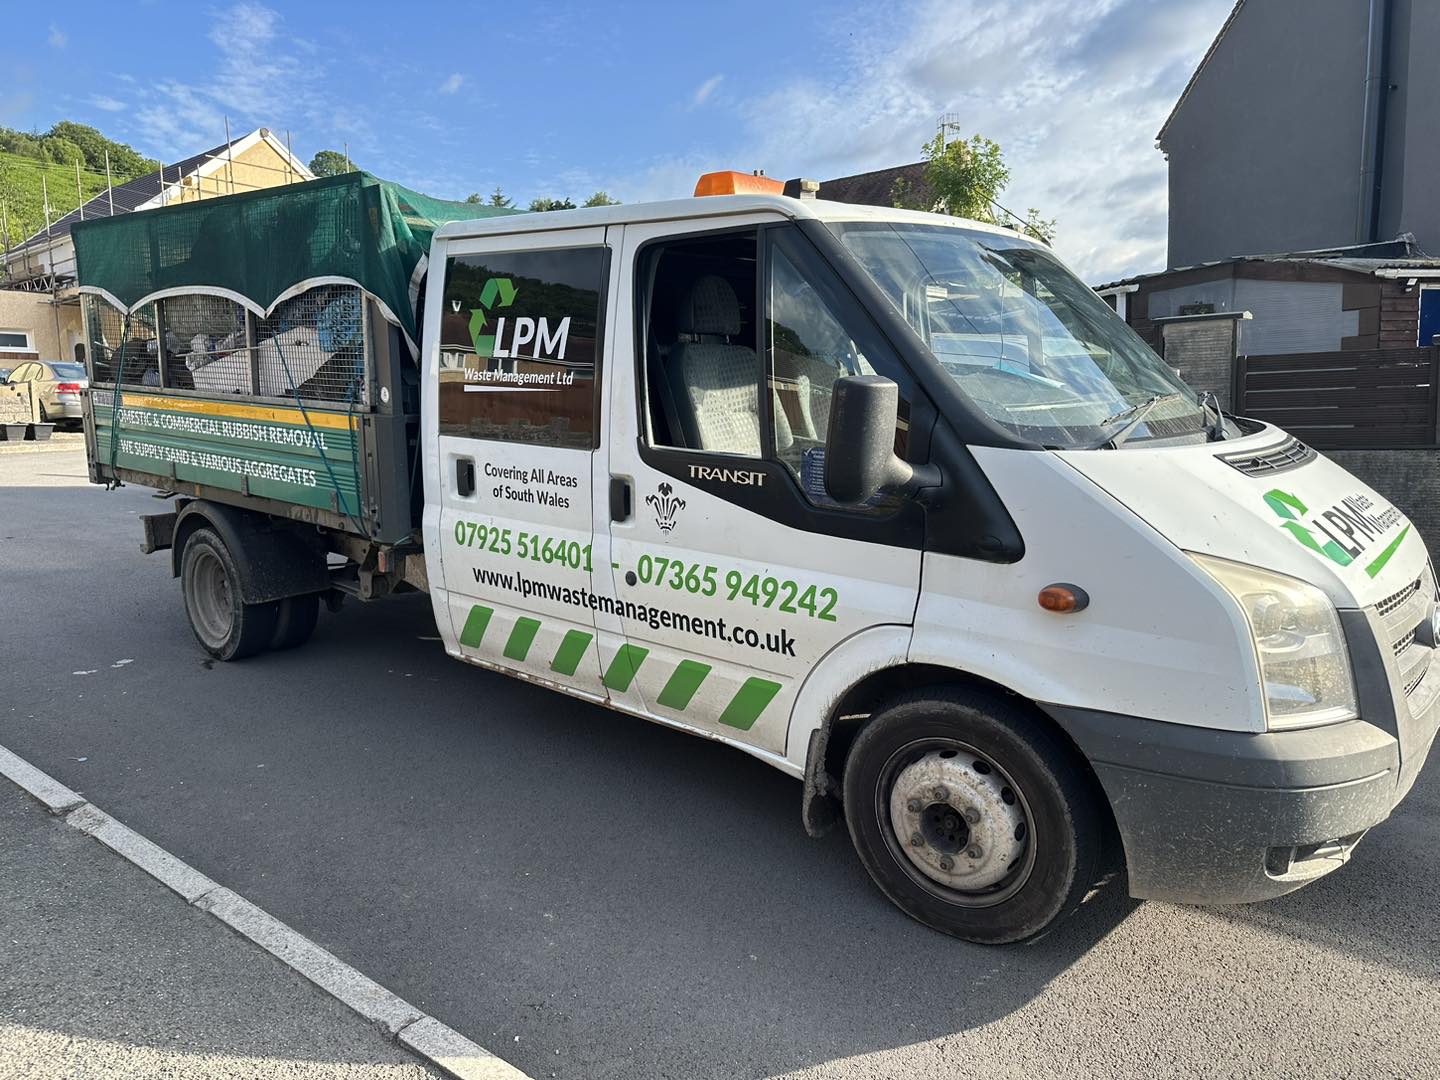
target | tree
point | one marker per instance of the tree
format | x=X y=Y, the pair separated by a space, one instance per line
x=125 y=162
x=539 y=206
x=601 y=198
x=475 y=198
x=62 y=151
x=965 y=178
x=499 y=198
x=331 y=163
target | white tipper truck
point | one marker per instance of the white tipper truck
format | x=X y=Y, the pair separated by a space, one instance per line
x=889 y=500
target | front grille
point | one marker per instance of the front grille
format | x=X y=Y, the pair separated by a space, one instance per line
x=1406 y=616
x=1290 y=454
x=1391 y=603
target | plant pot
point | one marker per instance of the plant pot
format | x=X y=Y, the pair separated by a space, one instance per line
x=40 y=432
x=12 y=432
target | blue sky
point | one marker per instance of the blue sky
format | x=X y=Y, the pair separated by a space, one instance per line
x=562 y=99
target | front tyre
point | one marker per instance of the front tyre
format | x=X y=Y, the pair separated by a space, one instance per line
x=971 y=816
x=226 y=627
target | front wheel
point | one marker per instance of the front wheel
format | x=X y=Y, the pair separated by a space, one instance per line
x=971 y=816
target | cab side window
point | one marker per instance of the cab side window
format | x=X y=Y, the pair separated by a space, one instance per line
x=519 y=343
x=703 y=371
x=814 y=335
x=723 y=379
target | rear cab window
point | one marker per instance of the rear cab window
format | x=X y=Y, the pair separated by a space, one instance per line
x=519 y=336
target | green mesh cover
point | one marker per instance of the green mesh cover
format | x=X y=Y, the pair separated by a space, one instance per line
x=262 y=244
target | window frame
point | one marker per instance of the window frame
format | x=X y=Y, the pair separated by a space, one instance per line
x=1430 y=288
x=29 y=337
x=643 y=265
x=779 y=498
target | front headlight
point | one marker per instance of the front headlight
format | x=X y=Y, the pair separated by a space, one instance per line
x=1304 y=665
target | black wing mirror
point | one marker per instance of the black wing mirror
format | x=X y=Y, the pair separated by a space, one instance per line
x=860 y=458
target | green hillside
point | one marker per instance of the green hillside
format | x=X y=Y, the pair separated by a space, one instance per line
x=26 y=157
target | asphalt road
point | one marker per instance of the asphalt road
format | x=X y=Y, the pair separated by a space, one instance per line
x=105 y=974
x=591 y=896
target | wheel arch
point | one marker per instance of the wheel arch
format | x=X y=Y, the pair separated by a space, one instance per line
x=273 y=560
x=827 y=744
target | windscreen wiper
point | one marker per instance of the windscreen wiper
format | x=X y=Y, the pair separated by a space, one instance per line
x=1209 y=401
x=1132 y=417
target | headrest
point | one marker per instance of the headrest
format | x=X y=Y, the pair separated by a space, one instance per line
x=710 y=308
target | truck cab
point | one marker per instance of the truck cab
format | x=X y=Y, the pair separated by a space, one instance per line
x=893 y=502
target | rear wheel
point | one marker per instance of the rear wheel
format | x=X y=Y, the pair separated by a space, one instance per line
x=971 y=816
x=226 y=627
x=296 y=621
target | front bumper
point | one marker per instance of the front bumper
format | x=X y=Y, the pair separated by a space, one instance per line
x=1224 y=817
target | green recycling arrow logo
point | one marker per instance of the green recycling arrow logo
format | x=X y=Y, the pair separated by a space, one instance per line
x=1289 y=507
x=497 y=292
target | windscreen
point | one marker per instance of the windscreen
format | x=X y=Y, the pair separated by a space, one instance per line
x=64 y=369
x=1026 y=341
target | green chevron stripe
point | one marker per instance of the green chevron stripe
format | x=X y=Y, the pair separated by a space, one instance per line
x=748 y=703
x=571 y=651
x=681 y=687
x=518 y=647
x=621 y=672
x=475 y=625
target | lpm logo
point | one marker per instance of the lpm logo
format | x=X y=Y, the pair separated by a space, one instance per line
x=1342 y=532
x=534 y=338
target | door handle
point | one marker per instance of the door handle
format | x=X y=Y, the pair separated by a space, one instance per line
x=464 y=476
x=619 y=499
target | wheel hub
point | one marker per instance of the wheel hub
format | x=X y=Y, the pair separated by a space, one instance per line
x=957 y=819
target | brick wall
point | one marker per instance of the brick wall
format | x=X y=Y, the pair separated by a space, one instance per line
x=1410 y=479
x=1204 y=353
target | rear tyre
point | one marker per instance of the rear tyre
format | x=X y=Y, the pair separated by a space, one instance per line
x=295 y=621
x=971 y=816
x=226 y=627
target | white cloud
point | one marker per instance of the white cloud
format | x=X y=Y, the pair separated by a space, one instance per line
x=1073 y=90
x=58 y=38
x=705 y=89
x=260 y=75
x=107 y=103
x=452 y=84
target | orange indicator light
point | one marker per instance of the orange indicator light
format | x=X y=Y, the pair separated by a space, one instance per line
x=1064 y=599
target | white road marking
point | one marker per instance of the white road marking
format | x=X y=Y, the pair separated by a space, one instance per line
x=419 y=1033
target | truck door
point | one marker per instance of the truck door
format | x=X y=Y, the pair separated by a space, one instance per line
x=516 y=383
x=733 y=573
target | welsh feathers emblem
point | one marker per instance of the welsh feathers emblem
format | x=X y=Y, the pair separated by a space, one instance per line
x=666 y=505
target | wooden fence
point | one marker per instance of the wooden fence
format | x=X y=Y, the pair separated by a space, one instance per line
x=1381 y=400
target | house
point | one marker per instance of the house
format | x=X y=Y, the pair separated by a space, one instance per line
x=1308 y=124
x=39 y=307
x=878 y=188
x=1358 y=298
